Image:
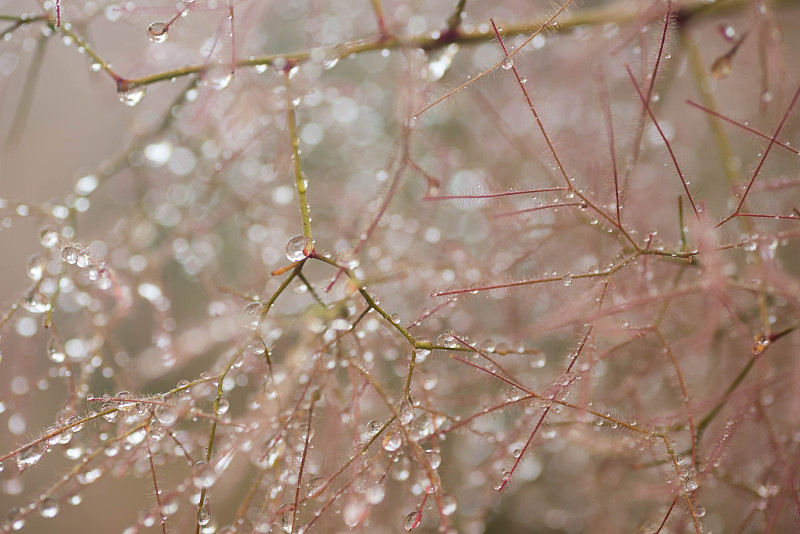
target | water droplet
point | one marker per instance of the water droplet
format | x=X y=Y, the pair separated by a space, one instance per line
x=70 y=255
x=125 y=401
x=375 y=493
x=112 y=413
x=29 y=457
x=157 y=32
x=218 y=77
x=16 y=519
x=36 y=265
x=203 y=517
x=347 y=258
x=447 y=339
x=48 y=508
x=35 y=302
x=760 y=344
x=316 y=486
x=507 y=63
x=355 y=510
x=329 y=63
x=48 y=236
x=86 y=184
x=257 y=347
x=203 y=476
x=252 y=313
x=449 y=504
x=721 y=68
x=373 y=427
x=54 y=352
x=412 y=520
x=131 y=97
x=299 y=247
x=83 y=259
x=434 y=458
x=392 y=443
x=567 y=280
x=405 y=411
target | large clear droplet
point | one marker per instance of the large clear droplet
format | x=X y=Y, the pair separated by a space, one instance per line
x=35 y=302
x=48 y=508
x=412 y=520
x=131 y=97
x=203 y=476
x=257 y=346
x=392 y=443
x=36 y=265
x=252 y=313
x=29 y=457
x=298 y=248
x=405 y=411
x=157 y=32
x=449 y=504
x=373 y=427
x=54 y=351
x=218 y=77
x=203 y=517
x=70 y=255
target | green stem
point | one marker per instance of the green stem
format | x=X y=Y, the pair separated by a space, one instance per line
x=300 y=180
x=221 y=379
x=620 y=13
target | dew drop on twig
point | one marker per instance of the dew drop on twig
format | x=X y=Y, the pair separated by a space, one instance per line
x=131 y=97
x=298 y=248
x=48 y=508
x=157 y=32
x=412 y=520
x=203 y=517
x=405 y=412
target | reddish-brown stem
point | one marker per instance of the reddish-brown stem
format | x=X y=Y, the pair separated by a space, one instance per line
x=530 y=38
x=528 y=100
x=772 y=142
x=666 y=516
x=537 y=208
x=660 y=54
x=393 y=186
x=740 y=125
x=560 y=387
x=684 y=392
x=768 y=216
x=606 y=106
x=537 y=280
x=495 y=195
x=646 y=105
x=162 y=518
x=302 y=464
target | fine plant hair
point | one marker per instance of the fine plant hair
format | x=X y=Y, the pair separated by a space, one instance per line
x=380 y=266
